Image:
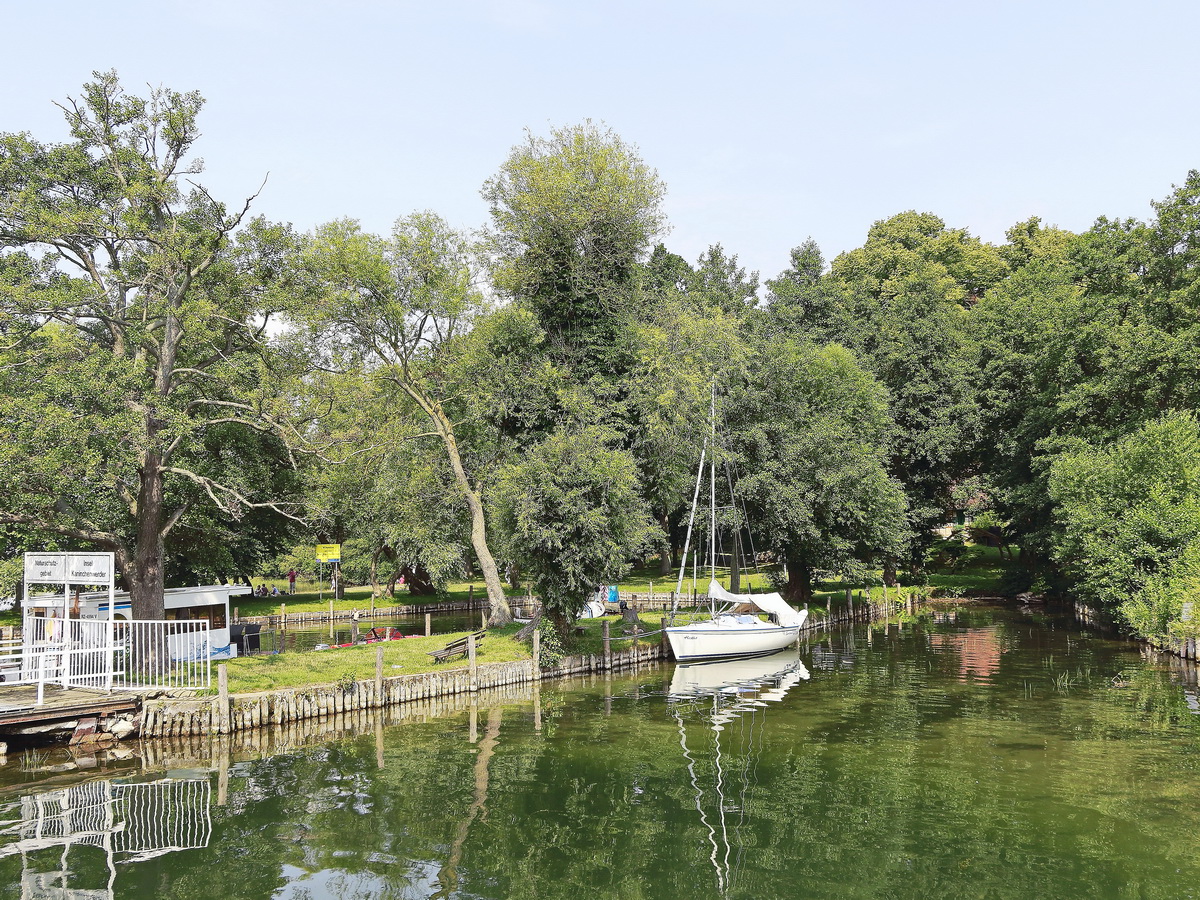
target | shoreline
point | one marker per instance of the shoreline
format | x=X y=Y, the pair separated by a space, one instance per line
x=229 y=713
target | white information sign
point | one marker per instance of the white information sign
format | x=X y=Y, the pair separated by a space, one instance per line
x=46 y=568
x=89 y=568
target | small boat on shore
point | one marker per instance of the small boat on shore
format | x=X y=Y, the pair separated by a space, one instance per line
x=738 y=629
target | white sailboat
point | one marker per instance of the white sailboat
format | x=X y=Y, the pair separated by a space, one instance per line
x=737 y=628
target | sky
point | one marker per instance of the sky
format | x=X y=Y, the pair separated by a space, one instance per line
x=769 y=122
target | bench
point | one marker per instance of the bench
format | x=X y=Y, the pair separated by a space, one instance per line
x=456 y=648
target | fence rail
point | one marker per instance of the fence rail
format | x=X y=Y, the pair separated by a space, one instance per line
x=103 y=655
x=164 y=654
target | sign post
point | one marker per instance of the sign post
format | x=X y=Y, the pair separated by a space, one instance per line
x=81 y=570
x=328 y=553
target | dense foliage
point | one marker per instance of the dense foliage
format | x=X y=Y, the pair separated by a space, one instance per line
x=198 y=391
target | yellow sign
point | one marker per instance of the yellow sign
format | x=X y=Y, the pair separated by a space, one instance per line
x=329 y=552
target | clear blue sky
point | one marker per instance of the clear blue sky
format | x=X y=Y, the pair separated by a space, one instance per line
x=768 y=121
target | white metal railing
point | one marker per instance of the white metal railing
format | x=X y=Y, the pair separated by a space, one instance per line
x=167 y=654
x=103 y=654
x=68 y=652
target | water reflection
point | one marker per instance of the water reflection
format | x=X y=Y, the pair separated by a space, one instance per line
x=893 y=771
x=978 y=650
x=720 y=693
x=126 y=822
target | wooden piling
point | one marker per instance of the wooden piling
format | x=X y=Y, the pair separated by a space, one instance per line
x=428 y=625
x=474 y=686
x=222 y=698
x=379 y=671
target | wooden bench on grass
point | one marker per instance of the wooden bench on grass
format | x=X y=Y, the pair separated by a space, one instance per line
x=456 y=648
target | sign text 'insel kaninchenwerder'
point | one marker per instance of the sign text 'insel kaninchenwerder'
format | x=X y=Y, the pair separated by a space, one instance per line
x=69 y=568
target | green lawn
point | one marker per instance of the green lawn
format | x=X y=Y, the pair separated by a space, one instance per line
x=410 y=656
x=262 y=673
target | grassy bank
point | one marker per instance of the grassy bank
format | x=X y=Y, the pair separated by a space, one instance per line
x=410 y=656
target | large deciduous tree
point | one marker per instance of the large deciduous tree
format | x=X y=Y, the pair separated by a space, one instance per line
x=398 y=306
x=573 y=516
x=134 y=328
x=810 y=429
x=573 y=216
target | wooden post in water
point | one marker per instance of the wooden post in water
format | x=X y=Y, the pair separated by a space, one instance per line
x=428 y=625
x=828 y=611
x=222 y=772
x=470 y=594
x=662 y=634
x=283 y=615
x=850 y=603
x=222 y=699
x=483 y=618
x=537 y=651
x=474 y=686
x=607 y=646
x=379 y=674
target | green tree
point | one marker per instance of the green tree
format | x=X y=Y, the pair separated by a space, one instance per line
x=397 y=305
x=1129 y=521
x=135 y=332
x=810 y=431
x=902 y=303
x=573 y=515
x=573 y=216
x=1087 y=341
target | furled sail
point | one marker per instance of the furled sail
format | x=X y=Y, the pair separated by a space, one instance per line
x=771 y=603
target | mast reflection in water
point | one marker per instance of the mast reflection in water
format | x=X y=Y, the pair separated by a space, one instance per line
x=722 y=694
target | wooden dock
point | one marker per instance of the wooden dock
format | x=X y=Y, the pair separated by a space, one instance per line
x=19 y=709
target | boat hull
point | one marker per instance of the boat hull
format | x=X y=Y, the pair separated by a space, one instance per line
x=709 y=640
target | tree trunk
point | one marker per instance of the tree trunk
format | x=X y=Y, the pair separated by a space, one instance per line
x=664 y=559
x=417 y=581
x=499 y=613
x=375 y=592
x=889 y=572
x=799 y=584
x=145 y=573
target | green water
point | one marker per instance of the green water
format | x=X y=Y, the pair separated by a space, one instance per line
x=986 y=753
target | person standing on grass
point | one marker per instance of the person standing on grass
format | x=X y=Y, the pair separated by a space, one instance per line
x=292 y=581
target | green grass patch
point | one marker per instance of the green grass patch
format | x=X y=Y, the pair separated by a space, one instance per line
x=308 y=599
x=248 y=674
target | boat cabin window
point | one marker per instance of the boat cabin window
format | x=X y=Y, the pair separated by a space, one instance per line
x=214 y=614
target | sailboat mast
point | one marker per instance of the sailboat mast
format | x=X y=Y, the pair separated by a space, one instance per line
x=712 y=484
x=692 y=518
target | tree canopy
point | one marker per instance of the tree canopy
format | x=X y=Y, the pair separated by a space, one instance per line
x=195 y=389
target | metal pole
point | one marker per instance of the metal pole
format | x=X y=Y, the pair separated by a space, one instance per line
x=712 y=485
x=692 y=518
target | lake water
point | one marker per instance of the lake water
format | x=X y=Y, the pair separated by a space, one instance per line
x=980 y=753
